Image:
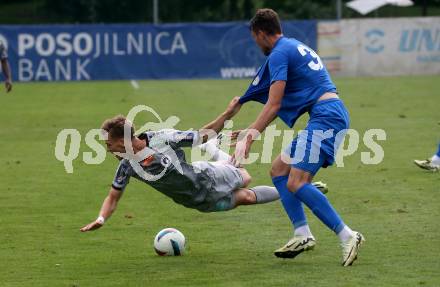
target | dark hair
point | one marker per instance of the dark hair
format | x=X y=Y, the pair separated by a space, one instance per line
x=115 y=127
x=266 y=20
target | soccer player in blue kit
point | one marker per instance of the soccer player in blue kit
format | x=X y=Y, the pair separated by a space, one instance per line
x=292 y=81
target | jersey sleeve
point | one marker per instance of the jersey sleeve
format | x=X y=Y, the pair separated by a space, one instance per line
x=3 y=52
x=122 y=176
x=175 y=138
x=278 y=63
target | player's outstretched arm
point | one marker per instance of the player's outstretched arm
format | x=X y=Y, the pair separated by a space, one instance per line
x=266 y=116
x=271 y=108
x=217 y=125
x=108 y=207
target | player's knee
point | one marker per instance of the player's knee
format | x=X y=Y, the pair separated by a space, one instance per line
x=250 y=197
x=293 y=184
x=279 y=168
x=297 y=178
x=244 y=196
x=276 y=171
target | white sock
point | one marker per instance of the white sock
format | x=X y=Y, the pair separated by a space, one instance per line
x=435 y=160
x=265 y=194
x=216 y=153
x=345 y=234
x=303 y=231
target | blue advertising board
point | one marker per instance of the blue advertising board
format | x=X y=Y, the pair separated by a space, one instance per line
x=138 y=51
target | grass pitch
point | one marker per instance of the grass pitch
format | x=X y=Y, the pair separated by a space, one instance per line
x=394 y=204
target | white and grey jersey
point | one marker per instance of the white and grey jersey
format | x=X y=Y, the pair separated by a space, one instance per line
x=3 y=52
x=193 y=188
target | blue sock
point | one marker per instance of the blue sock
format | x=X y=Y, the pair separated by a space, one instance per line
x=320 y=206
x=291 y=204
x=438 y=151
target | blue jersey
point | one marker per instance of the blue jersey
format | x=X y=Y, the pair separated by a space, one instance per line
x=305 y=75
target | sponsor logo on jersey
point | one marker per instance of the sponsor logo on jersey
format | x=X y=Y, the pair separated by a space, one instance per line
x=165 y=161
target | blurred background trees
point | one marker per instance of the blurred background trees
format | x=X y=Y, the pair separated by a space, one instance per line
x=135 y=11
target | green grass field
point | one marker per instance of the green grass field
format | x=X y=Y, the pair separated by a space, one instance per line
x=394 y=204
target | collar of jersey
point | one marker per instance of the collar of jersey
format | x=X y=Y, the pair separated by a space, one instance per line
x=277 y=42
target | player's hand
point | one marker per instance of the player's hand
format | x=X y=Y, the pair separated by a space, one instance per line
x=8 y=86
x=91 y=226
x=233 y=107
x=241 y=152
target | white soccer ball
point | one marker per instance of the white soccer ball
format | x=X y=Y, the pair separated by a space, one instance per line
x=169 y=242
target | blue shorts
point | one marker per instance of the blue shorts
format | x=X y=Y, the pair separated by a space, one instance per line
x=317 y=144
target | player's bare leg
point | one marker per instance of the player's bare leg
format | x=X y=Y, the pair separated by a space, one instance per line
x=244 y=196
x=255 y=195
